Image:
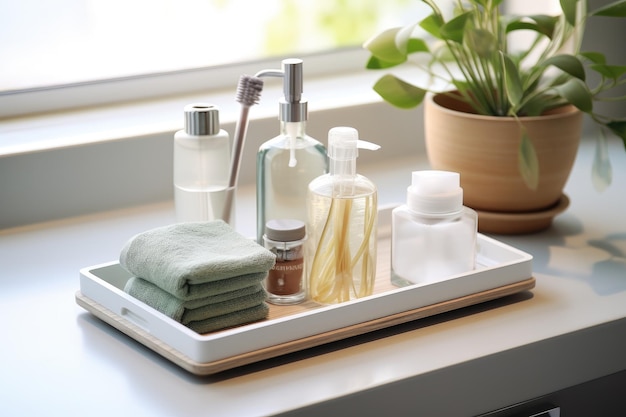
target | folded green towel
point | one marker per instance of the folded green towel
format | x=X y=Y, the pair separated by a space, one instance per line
x=179 y=256
x=198 y=291
x=194 y=310
x=236 y=318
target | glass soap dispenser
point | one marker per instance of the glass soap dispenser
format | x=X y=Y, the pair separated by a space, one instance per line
x=433 y=236
x=342 y=225
x=287 y=163
x=201 y=166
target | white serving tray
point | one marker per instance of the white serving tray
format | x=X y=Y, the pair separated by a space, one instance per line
x=501 y=270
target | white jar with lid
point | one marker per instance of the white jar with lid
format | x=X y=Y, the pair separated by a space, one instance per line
x=433 y=234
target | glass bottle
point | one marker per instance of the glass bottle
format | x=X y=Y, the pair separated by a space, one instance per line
x=201 y=166
x=285 y=281
x=287 y=163
x=433 y=235
x=342 y=225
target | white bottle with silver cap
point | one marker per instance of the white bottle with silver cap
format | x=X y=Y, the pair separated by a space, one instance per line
x=433 y=236
x=201 y=166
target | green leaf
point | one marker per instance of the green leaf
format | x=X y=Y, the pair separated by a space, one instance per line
x=391 y=47
x=576 y=92
x=601 y=170
x=520 y=25
x=375 y=63
x=455 y=28
x=432 y=25
x=610 y=71
x=543 y=24
x=481 y=41
x=384 y=47
x=528 y=163
x=399 y=93
x=595 y=57
x=619 y=128
x=416 y=45
x=568 y=63
x=513 y=84
x=403 y=38
x=535 y=106
x=615 y=9
x=569 y=10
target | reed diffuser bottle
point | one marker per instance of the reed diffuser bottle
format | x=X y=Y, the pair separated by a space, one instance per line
x=201 y=166
x=433 y=235
x=287 y=163
x=342 y=225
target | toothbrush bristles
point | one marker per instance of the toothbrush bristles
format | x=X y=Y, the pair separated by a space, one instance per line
x=249 y=90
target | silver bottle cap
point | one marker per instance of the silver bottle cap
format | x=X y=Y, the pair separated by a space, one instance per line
x=202 y=119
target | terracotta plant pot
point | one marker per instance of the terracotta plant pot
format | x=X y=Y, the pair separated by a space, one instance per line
x=484 y=150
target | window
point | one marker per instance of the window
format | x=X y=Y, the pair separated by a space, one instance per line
x=166 y=44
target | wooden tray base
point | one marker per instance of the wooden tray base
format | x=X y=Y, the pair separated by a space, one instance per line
x=209 y=368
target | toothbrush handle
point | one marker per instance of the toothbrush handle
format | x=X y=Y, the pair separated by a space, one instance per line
x=240 y=136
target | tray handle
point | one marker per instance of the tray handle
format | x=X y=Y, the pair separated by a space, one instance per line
x=135 y=318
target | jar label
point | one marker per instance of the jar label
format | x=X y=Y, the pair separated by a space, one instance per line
x=285 y=277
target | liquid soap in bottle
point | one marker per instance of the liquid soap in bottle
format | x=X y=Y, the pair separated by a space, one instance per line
x=342 y=225
x=287 y=163
x=433 y=236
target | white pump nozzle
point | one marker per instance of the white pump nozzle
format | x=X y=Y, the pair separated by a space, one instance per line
x=344 y=143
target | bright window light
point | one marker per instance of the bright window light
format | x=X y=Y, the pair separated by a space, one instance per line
x=59 y=42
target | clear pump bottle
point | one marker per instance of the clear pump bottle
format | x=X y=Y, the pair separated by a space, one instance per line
x=342 y=225
x=201 y=166
x=433 y=235
x=287 y=163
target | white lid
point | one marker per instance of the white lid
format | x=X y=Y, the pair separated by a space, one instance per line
x=285 y=230
x=435 y=192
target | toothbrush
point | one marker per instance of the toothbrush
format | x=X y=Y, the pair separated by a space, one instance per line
x=248 y=93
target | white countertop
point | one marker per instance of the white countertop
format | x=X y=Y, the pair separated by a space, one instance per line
x=57 y=359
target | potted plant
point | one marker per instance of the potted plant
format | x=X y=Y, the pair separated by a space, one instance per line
x=471 y=76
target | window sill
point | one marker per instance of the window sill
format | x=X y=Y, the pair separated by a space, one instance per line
x=94 y=159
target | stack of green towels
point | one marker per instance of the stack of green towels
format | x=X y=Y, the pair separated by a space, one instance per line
x=204 y=275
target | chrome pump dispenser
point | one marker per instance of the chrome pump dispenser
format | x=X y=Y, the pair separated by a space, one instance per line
x=287 y=163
